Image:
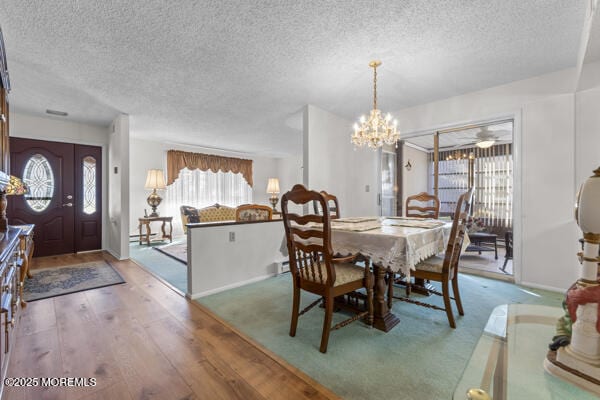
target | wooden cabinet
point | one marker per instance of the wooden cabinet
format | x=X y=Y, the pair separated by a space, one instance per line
x=10 y=237
x=4 y=119
x=25 y=254
x=10 y=293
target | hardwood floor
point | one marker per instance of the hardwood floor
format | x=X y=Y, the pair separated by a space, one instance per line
x=141 y=340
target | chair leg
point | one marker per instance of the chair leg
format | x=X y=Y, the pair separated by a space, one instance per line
x=295 y=311
x=505 y=262
x=447 y=303
x=327 y=323
x=457 y=294
x=370 y=317
x=496 y=249
x=390 y=288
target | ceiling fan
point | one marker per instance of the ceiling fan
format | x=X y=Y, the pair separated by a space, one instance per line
x=485 y=138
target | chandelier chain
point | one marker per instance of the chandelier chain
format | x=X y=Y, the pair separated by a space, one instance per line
x=375 y=87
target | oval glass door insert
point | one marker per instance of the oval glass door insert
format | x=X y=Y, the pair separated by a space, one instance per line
x=39 y=178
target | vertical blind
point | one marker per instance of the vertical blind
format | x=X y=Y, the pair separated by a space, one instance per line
x=205 y=188
x=493 y=181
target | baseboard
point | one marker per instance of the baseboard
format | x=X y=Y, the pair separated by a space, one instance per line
x=114 y=254
x=543 y=287
x=195 y=296
x=487 y=274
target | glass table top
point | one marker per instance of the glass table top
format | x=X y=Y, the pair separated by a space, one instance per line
x=508 y=359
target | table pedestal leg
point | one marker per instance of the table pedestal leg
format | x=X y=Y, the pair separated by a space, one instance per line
x=384 y=320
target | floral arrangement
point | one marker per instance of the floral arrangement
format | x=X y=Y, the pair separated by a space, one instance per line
x=474 y=224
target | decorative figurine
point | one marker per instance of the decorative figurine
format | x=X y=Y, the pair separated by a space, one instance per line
x=575 y=352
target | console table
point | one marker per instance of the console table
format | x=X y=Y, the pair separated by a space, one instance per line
x=145 y=221
x=508 y=360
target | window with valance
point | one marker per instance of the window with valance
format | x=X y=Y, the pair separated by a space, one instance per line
x=201 y=180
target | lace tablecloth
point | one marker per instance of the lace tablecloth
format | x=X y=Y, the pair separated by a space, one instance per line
x=398 y=247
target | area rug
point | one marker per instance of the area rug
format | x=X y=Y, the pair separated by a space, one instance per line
x=177 y=251
x=421 y=358
x=57 y=281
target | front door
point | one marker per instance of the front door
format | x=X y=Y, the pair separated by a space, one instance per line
x=64 y=198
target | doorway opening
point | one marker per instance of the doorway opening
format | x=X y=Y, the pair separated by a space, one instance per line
x=453 y=160
x=64 y=198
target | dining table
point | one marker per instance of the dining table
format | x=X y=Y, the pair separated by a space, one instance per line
x=394 y=245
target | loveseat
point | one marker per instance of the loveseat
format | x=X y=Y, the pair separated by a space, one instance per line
x=217 y=212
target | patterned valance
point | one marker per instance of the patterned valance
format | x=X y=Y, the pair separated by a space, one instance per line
x=178 y=160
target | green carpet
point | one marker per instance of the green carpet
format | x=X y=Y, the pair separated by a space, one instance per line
x=167 y=268
x=421 y=358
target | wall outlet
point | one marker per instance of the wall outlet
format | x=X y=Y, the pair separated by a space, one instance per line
x=232 y=236
x=367 y=188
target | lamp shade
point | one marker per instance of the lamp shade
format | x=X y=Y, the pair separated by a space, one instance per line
x=155 y=179
x=273 y=186
x=588 y=206
x=15 y=187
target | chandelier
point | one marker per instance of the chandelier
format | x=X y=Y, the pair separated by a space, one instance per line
x=458 y=155
x=377 y=130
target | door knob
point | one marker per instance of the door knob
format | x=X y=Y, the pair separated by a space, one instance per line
x=69 y=197
x=68 y=205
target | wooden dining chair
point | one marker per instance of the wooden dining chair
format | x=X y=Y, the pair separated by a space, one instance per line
x=253 y=212
x=423 y=205
x=314 y=267
x=332 y=205
x=444 y=268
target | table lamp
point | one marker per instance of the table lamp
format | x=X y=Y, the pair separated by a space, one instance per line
x=273 y=190
x=15 y=187
x=578 y=360
x=154 y=180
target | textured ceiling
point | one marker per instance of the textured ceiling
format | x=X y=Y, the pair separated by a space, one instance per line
x=235 y=74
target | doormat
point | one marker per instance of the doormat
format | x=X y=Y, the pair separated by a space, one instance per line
x=57 y=281
x=177 y=251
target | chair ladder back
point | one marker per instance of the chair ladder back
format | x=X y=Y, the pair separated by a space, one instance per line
x=457 y=233
x=333 y=205
x=308 y=238
x=423 y=205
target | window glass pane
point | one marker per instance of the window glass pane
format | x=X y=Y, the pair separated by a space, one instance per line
x=39 y=178
x=205 y=188
x=89 y=185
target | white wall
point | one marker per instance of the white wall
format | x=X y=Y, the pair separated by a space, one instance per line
x=62 y=130
x=290 y=173
x=415 y=180
x=118 y=188
x=543 y=108
x=332 y=164
x=215 y=263
x=587 y=136
x=146 y=154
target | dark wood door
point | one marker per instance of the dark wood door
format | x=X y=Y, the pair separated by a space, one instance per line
x=88 y=197
x=61 y=202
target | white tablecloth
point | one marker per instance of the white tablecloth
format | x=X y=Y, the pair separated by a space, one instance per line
x=398 y=247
